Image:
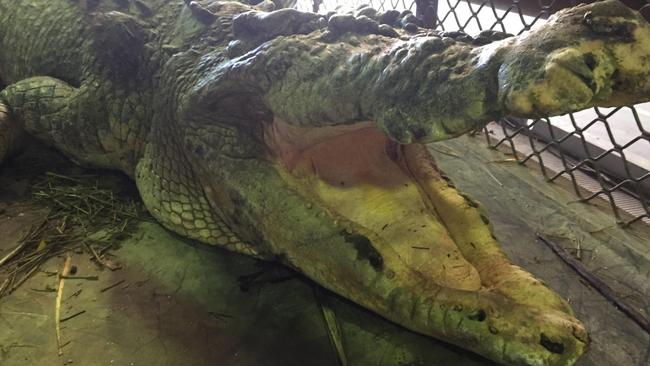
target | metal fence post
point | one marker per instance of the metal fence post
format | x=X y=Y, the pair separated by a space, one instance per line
x=427 y=11
x=316 y=5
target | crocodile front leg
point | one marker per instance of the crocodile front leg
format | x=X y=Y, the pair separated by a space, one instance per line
x=36 y=105
x=94 y=124
x=173 y=194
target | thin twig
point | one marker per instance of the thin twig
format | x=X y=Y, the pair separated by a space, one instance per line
x=440 y=151
x=493 y=177
x=88 y=278
x=24 y=278
x=98 y=258
x=59 y=294
x=11 y=254
x=503 y=161
x=72 y=316
x=332 y=326
x=220 y=316
x=600 y=286
x=78 y=208
x=52 y=174
x=74 y=294
x=4 y=285
x=111 y=286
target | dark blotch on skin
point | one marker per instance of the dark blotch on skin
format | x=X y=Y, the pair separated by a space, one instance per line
x=590 y=61
x=623 y=31
x=418 y=133
x=391 y=151
x=553 y=347
x=198 y=150
x=365 y=249
x=471 y=203
x=478 y=315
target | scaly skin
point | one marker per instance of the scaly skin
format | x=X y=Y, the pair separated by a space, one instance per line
x=286 y=137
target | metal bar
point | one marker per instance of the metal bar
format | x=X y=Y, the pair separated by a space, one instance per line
x=427 y=11
x=316 y=5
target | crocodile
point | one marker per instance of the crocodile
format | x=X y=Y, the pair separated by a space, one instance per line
x=301 y=138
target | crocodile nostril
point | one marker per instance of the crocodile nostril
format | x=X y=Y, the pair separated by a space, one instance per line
x=590 y=61
x=550 y=345
x=478 y=315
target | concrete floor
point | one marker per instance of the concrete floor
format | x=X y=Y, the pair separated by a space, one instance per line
x=180 y=303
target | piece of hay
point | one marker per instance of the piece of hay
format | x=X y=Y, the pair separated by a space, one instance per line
x=59 y=295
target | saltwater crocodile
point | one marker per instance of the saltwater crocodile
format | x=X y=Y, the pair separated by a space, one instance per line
x=299 y=138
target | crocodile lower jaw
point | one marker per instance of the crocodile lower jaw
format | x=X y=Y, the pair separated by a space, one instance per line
x=431 y=238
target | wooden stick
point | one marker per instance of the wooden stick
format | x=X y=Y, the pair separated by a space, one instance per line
x=25 y=277
x=11 y=254
x=72 y=316
x=4 y=285
x=111 y=286
x=87 y=278
x=98 y=258
x=52 y=174
x=332 y=326
x=59 y=295
x=600 y=286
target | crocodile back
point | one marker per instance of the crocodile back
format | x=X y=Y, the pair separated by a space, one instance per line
x=41 y=38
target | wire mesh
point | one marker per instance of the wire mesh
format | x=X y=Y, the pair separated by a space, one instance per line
x=343 y=5
x=610 y=146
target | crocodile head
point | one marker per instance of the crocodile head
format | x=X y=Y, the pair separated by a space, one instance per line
x=601 y=57
x=309 y=147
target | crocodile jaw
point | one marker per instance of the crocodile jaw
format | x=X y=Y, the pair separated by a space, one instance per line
x=430 y=237
x=359 y=174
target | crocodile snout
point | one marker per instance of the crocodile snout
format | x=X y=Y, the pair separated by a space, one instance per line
x=595 y=55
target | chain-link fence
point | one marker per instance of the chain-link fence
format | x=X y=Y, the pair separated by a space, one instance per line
x=604 y=152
